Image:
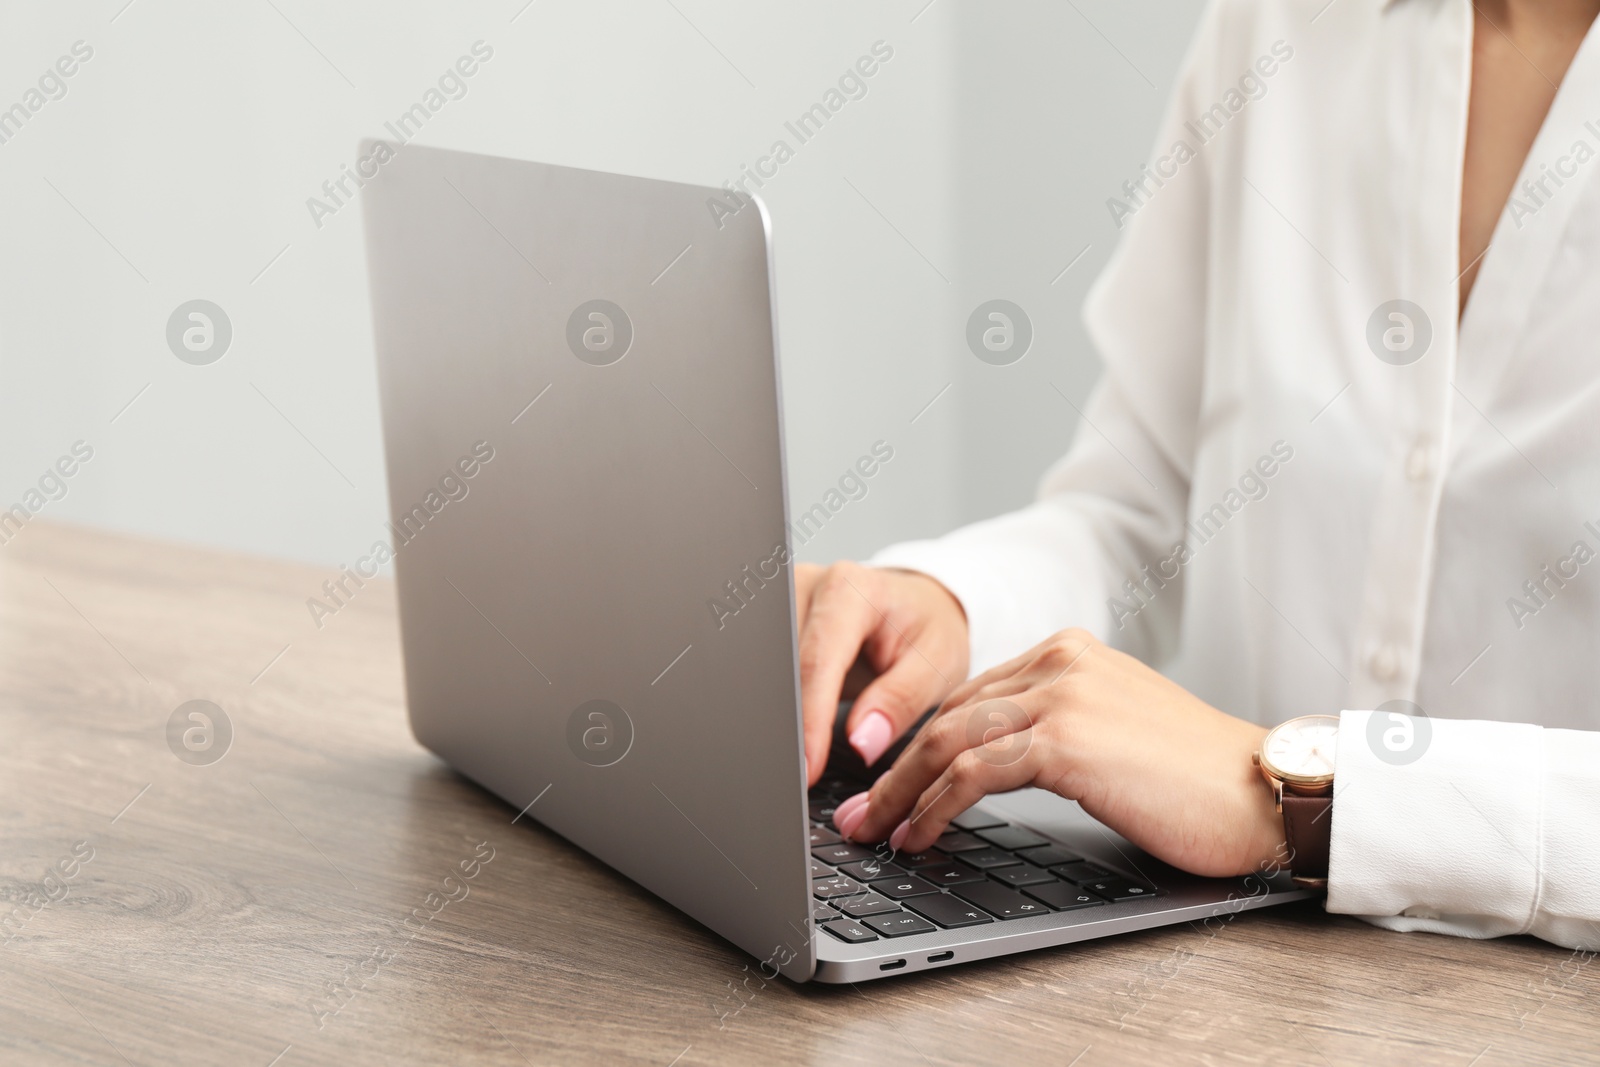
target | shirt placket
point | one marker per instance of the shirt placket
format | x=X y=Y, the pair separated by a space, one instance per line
x=1387 y=650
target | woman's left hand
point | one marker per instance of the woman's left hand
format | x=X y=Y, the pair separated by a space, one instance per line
x=1141 y=754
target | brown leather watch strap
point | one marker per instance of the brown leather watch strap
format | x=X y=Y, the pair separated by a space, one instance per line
x=1308 y=826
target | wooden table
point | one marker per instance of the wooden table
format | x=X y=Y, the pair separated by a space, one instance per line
x=304 y=899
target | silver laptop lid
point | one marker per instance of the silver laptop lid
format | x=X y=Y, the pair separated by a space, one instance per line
x=581 y=418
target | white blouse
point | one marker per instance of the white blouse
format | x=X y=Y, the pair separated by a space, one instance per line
x=1303 y=486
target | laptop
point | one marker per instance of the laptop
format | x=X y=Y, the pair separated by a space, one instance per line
x=590 y=533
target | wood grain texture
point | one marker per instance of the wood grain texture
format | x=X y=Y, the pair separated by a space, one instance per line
x=228 y=908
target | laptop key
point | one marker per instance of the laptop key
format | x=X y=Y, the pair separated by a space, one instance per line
x=820 y=912
x=849 y=931
x=988 y=858
x=821 y=835
x=901 y=888
x=837 y=886
x=1012 y=837
x=900 y=924
x=1080 y=872
x=868 y=870
x=1062 y=896
x=948 y=911
x=822 y=811
x=865 y=904
x=957 y=841
x=950 y=874
x=1049 y=856
x=1022 y=875
x=1121 y=889
x=820 y=870
x=973 y=819
x=835 y=789
x=841 y=853
x=998 y=900
x=914 y=860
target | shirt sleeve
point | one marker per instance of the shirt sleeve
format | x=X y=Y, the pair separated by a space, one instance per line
x=1477 y=829
x=1117 y=503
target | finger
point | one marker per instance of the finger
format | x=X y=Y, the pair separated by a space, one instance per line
x=1050 y=659
x=805 y=582
x=971 y=776
x=966 y=691
x=930 y=755
x=894 y=701
x=998 y=689
x=836 y=625
x=1001 y=688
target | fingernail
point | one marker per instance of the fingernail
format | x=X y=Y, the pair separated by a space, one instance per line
x=901 y=832
x=850 y=821
x=872 y=736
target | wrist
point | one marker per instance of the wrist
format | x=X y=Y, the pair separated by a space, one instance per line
x=949 y=604
x=1268 y=849
x=1296 y=761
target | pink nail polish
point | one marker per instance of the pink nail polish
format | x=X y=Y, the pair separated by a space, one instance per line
x=851 y=821
x=900 y=834
x=871 y=737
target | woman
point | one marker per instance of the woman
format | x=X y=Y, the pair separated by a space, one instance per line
x=1345 y=453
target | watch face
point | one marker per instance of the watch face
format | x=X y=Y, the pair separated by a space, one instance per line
x=1302 y=750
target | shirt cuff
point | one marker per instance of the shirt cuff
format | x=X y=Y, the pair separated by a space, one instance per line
x=1438 y=829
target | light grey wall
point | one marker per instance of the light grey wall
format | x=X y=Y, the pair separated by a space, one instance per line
x=1052 y=107
x=179 y=162
x=1057 y=106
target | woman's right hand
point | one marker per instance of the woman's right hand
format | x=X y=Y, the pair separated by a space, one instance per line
x=908 y=630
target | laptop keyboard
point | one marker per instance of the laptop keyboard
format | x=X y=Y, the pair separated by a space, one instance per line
x=984 y=870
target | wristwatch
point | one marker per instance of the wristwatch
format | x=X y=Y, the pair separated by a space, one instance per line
x=1296 y=759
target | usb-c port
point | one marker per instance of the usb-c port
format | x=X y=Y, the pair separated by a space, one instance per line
x=940 y=957
x=893 y=965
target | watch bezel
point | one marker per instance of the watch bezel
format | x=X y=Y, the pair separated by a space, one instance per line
x=1272 y=770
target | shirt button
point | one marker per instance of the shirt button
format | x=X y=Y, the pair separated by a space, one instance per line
x=1419 y=463
x=1386 y=663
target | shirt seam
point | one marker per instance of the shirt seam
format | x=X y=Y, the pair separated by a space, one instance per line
x=1538 y=836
